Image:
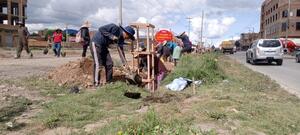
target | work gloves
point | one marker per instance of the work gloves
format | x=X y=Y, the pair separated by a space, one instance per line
x=115 y=39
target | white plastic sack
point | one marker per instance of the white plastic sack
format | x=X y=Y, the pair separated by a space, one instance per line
x=178 y=84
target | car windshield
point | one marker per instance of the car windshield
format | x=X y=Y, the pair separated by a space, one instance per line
x=270 y=43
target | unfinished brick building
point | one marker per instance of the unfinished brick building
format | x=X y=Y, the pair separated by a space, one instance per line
x=277 y=22
x=11 y=12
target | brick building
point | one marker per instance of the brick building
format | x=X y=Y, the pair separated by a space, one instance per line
x=276 y=22
x=11 y=12
x=247 y=39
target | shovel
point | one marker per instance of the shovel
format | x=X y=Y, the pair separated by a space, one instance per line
x=131 y=76
x=63 y=52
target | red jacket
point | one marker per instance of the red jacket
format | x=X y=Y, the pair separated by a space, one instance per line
x=57 y=37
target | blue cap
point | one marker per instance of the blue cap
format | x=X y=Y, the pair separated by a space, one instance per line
x=130 y=31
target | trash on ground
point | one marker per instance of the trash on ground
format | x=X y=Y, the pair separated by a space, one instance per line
x=180 y=84
x=74 y=89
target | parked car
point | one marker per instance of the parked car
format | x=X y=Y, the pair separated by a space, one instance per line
x=297 y=54
x=265 y=50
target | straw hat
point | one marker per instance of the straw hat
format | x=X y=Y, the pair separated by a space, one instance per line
x=86 y=24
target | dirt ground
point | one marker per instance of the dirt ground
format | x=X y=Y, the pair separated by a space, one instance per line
x=39 y=65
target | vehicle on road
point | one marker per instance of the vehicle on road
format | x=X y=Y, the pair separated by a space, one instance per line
x=265 y=50
x=297 y=54
x=289 y=45
x=228 y=46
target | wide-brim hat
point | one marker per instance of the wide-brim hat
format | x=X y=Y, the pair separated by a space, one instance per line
x=130 y=31
x=179 y=36
x=86 y=24
x=58 y=30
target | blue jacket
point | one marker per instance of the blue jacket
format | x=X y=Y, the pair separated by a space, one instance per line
x=104 y=36
x=172 y=45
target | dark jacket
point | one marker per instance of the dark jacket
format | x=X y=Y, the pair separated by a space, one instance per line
x=104 y=36
x=85 y=34
x=23 y=34
x=186 y=41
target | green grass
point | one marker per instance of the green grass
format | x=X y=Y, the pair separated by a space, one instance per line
x=246 y=103
x=152 y=124
x=201 y=67
x=46 y=87
x=15 y=107
x=79 y=110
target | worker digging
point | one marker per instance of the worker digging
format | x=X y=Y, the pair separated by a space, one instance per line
x=105 y=36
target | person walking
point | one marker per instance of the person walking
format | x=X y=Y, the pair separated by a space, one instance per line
x=85 y=35
x=57 y=40
x=23 y=40
x=106 y=35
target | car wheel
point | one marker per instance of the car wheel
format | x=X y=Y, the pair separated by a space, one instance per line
x=298 y=59
x=253 y=62
x=270 y=62
x=247 y=59
x=279 y=62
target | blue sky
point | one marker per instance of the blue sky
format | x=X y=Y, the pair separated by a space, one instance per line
x=224 y=18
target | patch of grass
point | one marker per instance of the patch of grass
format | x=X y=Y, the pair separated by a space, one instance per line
x=81 y=109
x=44 y=86
x=150 y=124
x=246 y=103
x=201 y=67
x=15 y=107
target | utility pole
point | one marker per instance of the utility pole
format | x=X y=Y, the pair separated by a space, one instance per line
x=202 y=23
x=67 y=34
x=190 y=22
x=121 y=12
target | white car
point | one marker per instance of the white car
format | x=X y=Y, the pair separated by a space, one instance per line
x=265 y=50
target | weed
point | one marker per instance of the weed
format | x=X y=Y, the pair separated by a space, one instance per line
x=79 y=110
x=201 y=67
x=15 y=108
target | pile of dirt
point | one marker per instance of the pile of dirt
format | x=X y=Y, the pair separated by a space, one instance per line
x=79 y=72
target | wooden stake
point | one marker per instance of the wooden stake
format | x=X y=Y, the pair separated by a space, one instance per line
x=194 y=86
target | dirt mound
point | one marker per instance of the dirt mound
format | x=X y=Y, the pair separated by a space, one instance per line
x=79 y=72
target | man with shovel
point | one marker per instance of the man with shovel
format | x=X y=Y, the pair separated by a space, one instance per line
x=23 y=40
x=106 y=35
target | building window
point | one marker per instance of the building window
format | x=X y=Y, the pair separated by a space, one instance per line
x=271 y=10
x=298 y=12
x=285 y=13
x=276 y=5
x=273 y=18
x=284 y=26
x=297 y=25
x=276 y=17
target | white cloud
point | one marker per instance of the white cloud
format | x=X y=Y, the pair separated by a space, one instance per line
x=103 y=15
x=162 y=13
x=213 y=28
x=142 y=20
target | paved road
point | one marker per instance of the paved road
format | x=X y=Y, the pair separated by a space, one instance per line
x=288 y=75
